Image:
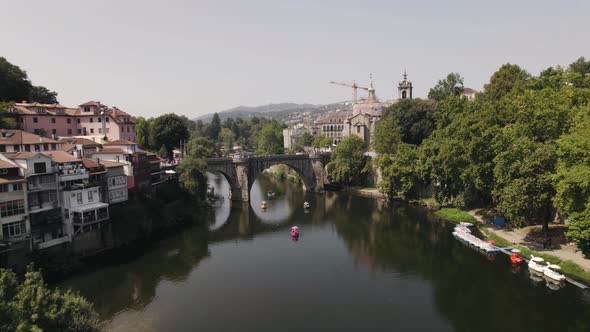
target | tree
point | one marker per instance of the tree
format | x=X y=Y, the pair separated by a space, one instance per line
x=6 y=120
x=399 y=175
x=507 y=79
x=227 y=137
x=306 y=139
x=415 y=119
x=163 y=153
x=452 y=85
x=192 y=176
x=202 y=147
x=142 y=131
x=31 y=306
x=348 y=163
x=387 y=135
x=214 y=127
x=15 y=86
x=167 y=130
x=321 y=141
x=572 y=180
x=41 y=94
x=579 y=73
x=270 y=139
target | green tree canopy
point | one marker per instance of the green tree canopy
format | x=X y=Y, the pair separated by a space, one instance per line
x=214 y=127
x=167 y=130
x=507 y=79
x=321 y=141
x=15 y=86
x=32 y=306
x=192 y=176
x=202 y=147
x=270 y=139
x=348 y=163
x=227 y=137
x=452 y=85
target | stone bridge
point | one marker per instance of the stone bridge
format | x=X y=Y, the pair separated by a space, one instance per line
x=241 y=172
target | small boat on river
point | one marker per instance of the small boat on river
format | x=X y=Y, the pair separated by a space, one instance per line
x=263 y=205
x=295 y=232
x=536 y=265
x=551 y=274
x=306 y=205
x=515 y=258
x=463 y=234
x=270 y=195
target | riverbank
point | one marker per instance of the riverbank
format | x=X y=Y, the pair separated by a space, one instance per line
x=365 y=191
x=571 y=260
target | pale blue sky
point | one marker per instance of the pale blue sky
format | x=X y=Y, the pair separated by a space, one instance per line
x=196 y=57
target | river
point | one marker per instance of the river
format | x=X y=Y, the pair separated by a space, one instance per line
x=359 y=265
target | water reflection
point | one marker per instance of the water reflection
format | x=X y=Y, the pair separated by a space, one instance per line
x=359 y=265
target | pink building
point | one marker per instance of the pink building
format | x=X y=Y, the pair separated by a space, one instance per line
x=91 y=119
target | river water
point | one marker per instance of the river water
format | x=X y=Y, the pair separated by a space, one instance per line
x=359 y=265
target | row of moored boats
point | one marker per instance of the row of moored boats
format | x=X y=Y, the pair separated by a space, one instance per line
x=537 y=265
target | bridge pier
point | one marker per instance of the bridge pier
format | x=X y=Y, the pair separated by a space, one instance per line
x=241 y=172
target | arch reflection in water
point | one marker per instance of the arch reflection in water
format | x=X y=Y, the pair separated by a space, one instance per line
x=281 y=207
x=221 y=202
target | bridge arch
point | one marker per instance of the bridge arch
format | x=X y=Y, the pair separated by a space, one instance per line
x=241 y=172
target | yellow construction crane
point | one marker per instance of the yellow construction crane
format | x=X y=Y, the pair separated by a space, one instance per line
x=353 y=86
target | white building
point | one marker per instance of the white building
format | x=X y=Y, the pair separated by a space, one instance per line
x=13 y=203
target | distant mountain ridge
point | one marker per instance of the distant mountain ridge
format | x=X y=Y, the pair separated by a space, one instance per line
x=280 y=111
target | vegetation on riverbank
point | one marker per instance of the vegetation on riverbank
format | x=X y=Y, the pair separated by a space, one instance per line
x=521 y=146
x=455 y=215
x=31 y=306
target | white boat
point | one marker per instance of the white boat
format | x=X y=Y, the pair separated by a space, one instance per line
x=536 y=265
x=551 y=273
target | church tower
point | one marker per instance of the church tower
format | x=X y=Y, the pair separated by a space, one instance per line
x=404 y=88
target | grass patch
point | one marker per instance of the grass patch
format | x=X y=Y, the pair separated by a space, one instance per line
x=500 y=241
x=455 y=215
x=573 y=269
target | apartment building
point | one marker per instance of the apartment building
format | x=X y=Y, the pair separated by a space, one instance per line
x=136 y=162
x=90 y=119
x=12 y=140
x=13 y=203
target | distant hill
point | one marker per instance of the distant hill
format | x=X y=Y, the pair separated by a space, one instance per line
x=281 y=112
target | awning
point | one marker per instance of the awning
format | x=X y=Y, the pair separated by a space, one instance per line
x=89 y=207
x=170 y=172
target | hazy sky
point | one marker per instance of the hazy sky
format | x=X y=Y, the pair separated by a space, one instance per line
x=196 y=57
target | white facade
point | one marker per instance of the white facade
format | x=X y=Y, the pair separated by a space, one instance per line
x=82 y=209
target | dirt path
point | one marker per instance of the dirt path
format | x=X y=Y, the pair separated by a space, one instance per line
x=517 y=236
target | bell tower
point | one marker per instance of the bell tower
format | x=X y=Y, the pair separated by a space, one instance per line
x=404 y=88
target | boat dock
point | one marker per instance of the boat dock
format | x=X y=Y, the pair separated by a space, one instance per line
x=464 y=234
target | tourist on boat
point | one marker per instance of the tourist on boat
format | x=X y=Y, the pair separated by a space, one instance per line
x=263 y=205
x=294 y=232
x=515 y=258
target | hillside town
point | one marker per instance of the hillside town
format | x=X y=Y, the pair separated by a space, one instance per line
x=63 y=169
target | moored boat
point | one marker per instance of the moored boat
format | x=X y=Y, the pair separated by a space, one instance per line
x=536 y=265
x=551 y=273
x=515 y=258
x=306 y=205
x=295 y=232
x=263 y=205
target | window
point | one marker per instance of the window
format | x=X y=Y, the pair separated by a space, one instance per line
x=2 y=148
x=17 y=186
x=100 y=130
x=90 y=198
x=37 y=147
x=28 y=148
x=16 y=148
x=79 y=131
x=122 y=129
x=358 y=129
x=40 y=168
x=54 y=146
x=78 y=120
x=12 y=208
x=53 y=131
x=106 y=119
x=45 y=147
x=92 y=130
x=117 y=158
x=69 y=131
x=128 y=128
x=4 y=188
x=98 y=119
x=52 y=120
x=35 y=120
x=79 y=198
x=86 y=109
x=69 y=120
x=91 y=120
x=3 y=171
x=14 y=229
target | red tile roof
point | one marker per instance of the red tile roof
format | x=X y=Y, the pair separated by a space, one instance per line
x=17 y=137
x=110 y=164
x=61 y=157
x=7 y=164
x=121 y=142
x=469 y=91
x=111 y=151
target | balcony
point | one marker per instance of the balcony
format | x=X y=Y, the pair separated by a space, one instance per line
x=71 y=174
x=43 y=206
x=90 y=214
x=52 y=242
